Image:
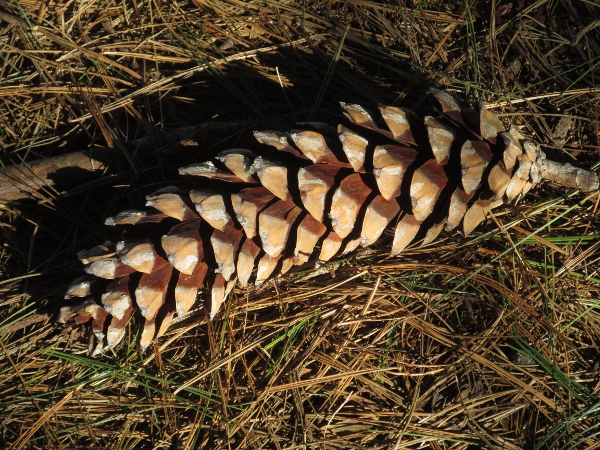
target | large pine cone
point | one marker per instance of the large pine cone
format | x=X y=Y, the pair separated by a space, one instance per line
x=330 y=192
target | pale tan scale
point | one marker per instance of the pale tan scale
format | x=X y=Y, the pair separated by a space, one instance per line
x=494 y=203
x=165 y=323
x=346 y=203
x=170 y=203
x=314 y=146
x=98 y=315
x=219 y=291
x=433 y=232
x=81 y=287
x=458 y=207
x=185 y=297
x=187 y=288
x=277 y=140
x=182 y=252
x=129 y=217
x=116 y=303
x=247 y=204
x=116 y=329
x=489 y=124
x=266 y=266
x=149 y=301
x=397 y=121
x=389 y=165
x=515 y=187
x=216 y=294
x=183 y=246
x=140 y=256
x=350 y=246
x=211 y=207
x=273 y=176
x=314 y=183
x=473 y=160
x=308 y=234
x=245 y=261
x=425 y=188
x=109 y=268
x=286 y=265
x=78 y=313
x=239 y=161
x=148 y=333
x=498 y=180
x=441 y=138
x=519 y=181
x=103 y=251
x=512 y=150
x=378 y=215
x=524 y=163
x=474 y=216
x=513 y=130
x=406 y=230
x=538 y=158
x=528 y=186
x=225 y=244
x=151 y=291
x=330 y=246
x=446 y=101
x=358 y=115
x=210 y=171
x=134 y=217
x=532 y=150
x=450 y=108
x=275 y=224
x=354 y=146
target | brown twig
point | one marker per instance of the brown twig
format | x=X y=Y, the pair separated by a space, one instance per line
x=25 y=180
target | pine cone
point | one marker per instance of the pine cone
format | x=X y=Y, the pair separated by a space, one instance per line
x=329 y=193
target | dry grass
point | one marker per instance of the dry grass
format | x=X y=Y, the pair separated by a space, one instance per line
x=491 y=342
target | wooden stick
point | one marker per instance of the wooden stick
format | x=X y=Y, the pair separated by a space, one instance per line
x=24 y=180
x=569 y=176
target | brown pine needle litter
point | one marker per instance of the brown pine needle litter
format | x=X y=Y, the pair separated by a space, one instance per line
x=490 y=341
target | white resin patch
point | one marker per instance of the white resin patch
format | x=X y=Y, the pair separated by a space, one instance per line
x=117 y=307
x=106 y=267
x=188 y=261
x=210 y=215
